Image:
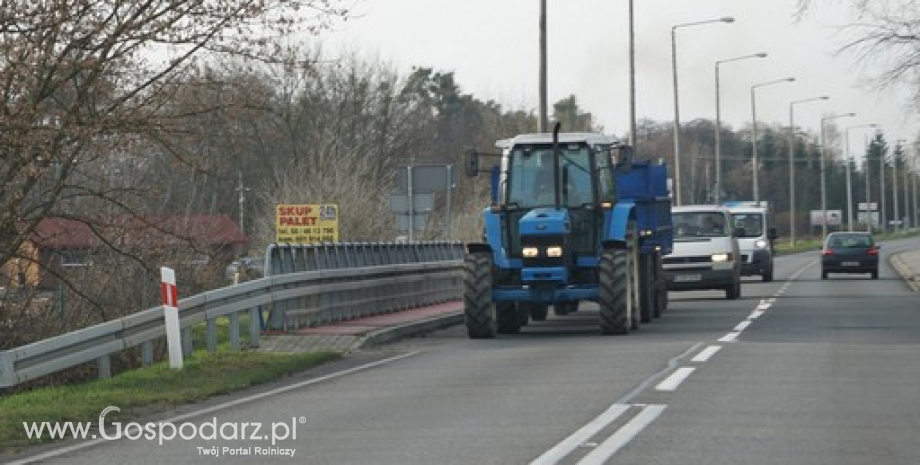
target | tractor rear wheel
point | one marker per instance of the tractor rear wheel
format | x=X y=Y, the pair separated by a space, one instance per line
x=478 y=309
x=612 y=295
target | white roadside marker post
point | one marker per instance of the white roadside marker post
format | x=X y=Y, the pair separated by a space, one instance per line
x=171 y=316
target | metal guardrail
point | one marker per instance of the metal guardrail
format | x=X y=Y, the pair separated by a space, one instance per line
x=294 y=299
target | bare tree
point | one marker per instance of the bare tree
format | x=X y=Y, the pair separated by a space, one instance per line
x=87 y=91
x=884 y=39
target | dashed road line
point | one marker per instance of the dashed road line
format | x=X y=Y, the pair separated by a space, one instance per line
x=672 y=382
x=623 y=435
x=706 y=354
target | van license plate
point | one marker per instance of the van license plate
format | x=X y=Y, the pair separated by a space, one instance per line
x=687 y=278
x=850 y=263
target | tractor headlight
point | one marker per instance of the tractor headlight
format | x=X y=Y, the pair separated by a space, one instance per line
x=530 y=252
x=554 y=251
x=721 y=257
x=760 y=244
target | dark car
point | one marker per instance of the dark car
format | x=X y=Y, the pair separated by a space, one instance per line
x=849 y=252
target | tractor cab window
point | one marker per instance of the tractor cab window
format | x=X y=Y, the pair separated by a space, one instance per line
x=531 y=180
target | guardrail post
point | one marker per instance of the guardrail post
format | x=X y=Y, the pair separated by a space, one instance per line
x=7 y=372
x=147 y=353
x=211 y=336
x=187 y=342
x=254 y=327
x=235 y=331
x=104 y=364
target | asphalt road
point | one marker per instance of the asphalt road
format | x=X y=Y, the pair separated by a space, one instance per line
x=797 y=371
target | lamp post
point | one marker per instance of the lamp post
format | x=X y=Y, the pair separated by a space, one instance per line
x=792 y=162
x=849 y=183
x=823 y=173
x=754 y=133
x=868 y=185
x=894 y=175
x=677 y=183
x=718 y=187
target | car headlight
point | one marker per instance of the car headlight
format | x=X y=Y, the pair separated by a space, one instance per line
x=760 y=244
x=721 y=257
x=530 y=252
x=554 y=251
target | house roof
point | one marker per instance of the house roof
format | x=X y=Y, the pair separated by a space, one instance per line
x=208 y=230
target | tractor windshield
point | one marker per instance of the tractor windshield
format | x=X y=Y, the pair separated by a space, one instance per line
x=531 y=181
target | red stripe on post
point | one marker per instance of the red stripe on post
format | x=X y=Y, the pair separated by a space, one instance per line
x=170 y=294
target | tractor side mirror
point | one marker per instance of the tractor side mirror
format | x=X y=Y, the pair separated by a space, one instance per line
x=472 y=163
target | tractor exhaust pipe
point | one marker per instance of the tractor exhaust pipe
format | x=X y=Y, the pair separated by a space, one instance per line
x=556 y=157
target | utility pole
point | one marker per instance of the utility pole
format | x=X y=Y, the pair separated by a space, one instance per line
x=544 y=115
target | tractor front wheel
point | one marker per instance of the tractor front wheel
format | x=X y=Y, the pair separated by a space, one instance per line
x=478 y=309
x=612 y=295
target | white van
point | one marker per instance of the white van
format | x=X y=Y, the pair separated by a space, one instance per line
x=757 y=237
x=706 y=254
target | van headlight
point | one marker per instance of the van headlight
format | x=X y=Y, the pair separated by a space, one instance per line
x=760 y=244
x=721 y=257
x=554 y=251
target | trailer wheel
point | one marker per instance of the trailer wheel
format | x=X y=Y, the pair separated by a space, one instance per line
x=507 y=315
x=478 y=309
x=660 y=288
x=647 y=289
x=612 y=295
x=662 y=300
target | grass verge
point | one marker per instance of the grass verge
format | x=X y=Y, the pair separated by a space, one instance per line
x=146 y=390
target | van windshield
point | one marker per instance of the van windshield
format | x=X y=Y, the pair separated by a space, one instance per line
x=699 y=224
x=750 y=223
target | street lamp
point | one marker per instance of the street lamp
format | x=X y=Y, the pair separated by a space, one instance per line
x=754 y=135
x=823 y=173
x=868 y=185
x=792 y=162
x=894 y=174
x=849 y=184
x=718 y=193
x=677 y=183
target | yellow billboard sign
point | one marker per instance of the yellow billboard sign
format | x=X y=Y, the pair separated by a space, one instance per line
x=306 y=224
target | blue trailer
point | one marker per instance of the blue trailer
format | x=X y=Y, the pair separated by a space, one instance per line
x=573 y=218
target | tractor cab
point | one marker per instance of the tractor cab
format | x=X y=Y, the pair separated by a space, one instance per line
x=551 y=196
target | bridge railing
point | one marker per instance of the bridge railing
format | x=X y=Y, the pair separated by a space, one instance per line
x=365 y=281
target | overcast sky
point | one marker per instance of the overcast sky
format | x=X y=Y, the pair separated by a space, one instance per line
x=492 y=47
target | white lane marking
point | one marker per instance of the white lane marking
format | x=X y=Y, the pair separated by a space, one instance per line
x=706 y=354
x=672 y=382
x=743 y=325
x=755 y=314
x=579 y=437
x=623 y=435
x=214 y=408
x=730 y=337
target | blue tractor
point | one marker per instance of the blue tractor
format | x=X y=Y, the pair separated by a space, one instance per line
x=573 y=218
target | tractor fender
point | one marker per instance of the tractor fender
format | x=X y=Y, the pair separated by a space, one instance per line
x=617 y=229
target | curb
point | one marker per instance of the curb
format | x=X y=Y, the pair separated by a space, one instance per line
x=390 y=334
x=912 y=279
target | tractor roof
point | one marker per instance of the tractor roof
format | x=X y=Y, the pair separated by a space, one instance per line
x=590 y=138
